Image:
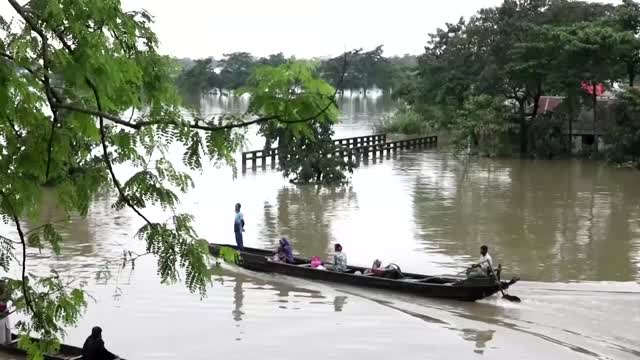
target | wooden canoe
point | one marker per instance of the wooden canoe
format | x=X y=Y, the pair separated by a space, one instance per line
x=66 y=352
x=455 y=288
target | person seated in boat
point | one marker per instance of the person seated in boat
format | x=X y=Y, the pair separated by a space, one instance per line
x=339 y=259
x=94 y=349
x=284 y=253
x=376 y=269
x=390 y=271
x=316 y=263
x=484 y=267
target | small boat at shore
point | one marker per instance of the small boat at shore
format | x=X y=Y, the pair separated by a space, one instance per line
x=444 y=287
x=66 y=352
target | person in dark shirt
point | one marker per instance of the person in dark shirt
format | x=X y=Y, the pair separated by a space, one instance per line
x=94 y=349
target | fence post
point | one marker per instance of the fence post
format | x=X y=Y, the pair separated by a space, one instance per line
x=254 y=161
x=272 y=152
x=244 y=161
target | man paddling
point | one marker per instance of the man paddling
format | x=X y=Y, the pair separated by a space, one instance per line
x=485 y=263
x=94 y=349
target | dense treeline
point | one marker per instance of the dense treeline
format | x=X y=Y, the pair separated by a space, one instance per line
x=366 y=70
x=483 y=78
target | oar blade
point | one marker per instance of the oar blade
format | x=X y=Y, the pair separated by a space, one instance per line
x=511 y=298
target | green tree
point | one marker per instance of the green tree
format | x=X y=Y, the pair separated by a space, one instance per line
x=372 y=69
x=624 y=137
x=627 y=19
x=333 y=71
x=199 y=78
x=69 y=71
x=305 y=147
x=273 y=60
x=595 y=54
x=520 y=51
x=235 y=69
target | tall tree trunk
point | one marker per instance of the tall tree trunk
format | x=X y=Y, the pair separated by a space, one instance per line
x=595 y=112
x=571 y=116
x=523 y=128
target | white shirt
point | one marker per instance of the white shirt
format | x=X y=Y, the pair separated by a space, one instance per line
x=485 y=261
x=5 y=330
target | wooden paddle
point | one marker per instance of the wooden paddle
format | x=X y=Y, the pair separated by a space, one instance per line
x=512 y=298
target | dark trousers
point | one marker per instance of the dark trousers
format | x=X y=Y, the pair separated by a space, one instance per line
x=239 y=240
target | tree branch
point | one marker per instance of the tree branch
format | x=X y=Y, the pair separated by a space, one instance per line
x=27 y=69
x=43 y=295
x=13 y=127
x=105 y=154
x=140 y=124
x=54 y=108
x=51 y=98
x=23 y=241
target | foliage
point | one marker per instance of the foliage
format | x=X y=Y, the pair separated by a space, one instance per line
x=228 y=254
x=481 y=125
x=519 y=51
x=404 y=121
x=547 y=136
x=69 y=71
x=58 y=305
x=369 y=69
x=624 y=137
x=199 y=78
x=306 y=149
x=366 y=70
x=235 y=70
x=273 y=60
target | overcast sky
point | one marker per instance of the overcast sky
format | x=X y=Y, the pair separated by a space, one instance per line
x=304 y=28
x=200 y=28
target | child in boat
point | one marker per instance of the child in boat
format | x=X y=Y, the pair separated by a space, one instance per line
x=339 y=259
x=316 y=263
x=284 y=253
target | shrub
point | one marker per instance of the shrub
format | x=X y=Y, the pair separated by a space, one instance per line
x=404 y=121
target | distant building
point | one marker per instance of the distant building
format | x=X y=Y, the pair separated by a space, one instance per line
x=582 y=128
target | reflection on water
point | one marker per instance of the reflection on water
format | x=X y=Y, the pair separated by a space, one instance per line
x=304 y=213
x=479 y=337
x=339 y=302
x=238 y=296
x=551 y=220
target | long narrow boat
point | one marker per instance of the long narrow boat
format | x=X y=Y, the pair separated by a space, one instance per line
x=429 y=286
x=66 y=352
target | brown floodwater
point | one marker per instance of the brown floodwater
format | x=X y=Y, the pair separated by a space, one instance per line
x=569 y=228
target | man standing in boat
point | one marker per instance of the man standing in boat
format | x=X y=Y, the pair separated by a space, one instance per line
x=238 y=227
